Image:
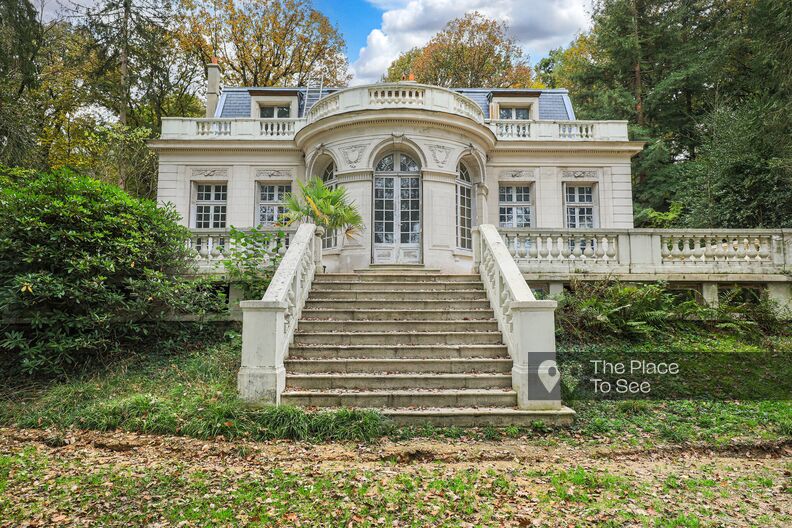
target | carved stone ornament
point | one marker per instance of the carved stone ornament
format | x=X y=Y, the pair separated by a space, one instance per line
x=580 y=173
x=519 y=173
x=353 y=154
x=210 y=172
x=440 y=154
x=263 y=174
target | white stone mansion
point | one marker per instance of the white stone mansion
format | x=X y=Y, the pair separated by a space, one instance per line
x=424 y=164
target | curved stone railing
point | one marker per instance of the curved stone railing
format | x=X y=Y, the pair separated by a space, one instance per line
x=268 y=325
x=396 y=95
x=527 y=324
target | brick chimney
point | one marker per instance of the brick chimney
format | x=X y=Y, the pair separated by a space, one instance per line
x=212 y=87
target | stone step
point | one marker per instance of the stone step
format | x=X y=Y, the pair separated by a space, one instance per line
x=398 y=268
x=360 y=304
x=394 y=277
x=356 y=314
x=401 y=398
x=301 y=337
x=307 y=325
x=400 y=295
x=397 y=381
x=401 y=366
x=389 y=352
x=395 y=285
x=477 y=416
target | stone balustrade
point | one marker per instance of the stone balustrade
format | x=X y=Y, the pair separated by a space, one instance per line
x=527 y=324
x=526 y=129
x=650 y=251
x=268 y=324
x=393 y=96
x=211 y=246
x=229 y=128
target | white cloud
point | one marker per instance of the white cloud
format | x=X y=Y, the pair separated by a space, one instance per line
x=538 y=25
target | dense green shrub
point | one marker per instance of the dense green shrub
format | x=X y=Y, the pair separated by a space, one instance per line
x=86 y=269
x=252 y=259
x=598 y=310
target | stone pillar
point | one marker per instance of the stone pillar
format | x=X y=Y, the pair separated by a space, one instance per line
x=535 y=374
x=555 y=289
x=262 y=376
x=709 y=290
x=781 y=293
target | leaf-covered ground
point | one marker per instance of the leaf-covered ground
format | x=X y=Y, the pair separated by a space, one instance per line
x=127 y=479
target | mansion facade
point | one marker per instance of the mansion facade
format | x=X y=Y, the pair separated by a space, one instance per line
x=423 y=164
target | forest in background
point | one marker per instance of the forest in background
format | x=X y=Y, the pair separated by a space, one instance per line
x=707 y=84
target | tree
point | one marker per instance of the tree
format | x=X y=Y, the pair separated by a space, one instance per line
x=329 y=208
x=471 y=51
x=266 y=42
x=20 y=36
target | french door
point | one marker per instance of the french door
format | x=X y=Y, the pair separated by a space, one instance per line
x=397 y=219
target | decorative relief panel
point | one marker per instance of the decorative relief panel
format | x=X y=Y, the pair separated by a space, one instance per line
x=588 y=174
x=220 y=173
x=440 y=154
x=273 y=174
x=519 y=173
x=353 y=155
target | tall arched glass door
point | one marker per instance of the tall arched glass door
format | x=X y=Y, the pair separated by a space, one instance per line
x=397 y=210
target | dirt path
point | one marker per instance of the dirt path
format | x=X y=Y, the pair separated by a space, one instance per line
x=514 y=482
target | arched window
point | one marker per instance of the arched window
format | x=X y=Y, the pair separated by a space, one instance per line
x=464 y=194
x=397 y=162
x=330 y=238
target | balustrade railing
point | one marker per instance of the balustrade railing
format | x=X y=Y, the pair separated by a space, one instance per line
x=512 y=128
x=268 y=324
x=650 y=250
x=397 y=96
x=576 y=130
x=210 y=246
x=527 y=324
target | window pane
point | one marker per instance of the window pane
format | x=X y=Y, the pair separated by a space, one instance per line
x=267 y=214
x=505 y=113
x=267 y=193
x=386 y=164
x=505 y=194
x=522 y=216
x=284 y=111
x=267 y=112
x=219 y=217
x=506 y=217
x=522 y=194
x=204 y=193
x=220 y=193
x=407 y=164
x=521 y=113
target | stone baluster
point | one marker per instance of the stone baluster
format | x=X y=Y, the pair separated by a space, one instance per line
x=611 y=251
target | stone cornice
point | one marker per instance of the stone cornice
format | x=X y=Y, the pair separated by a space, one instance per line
x=438 y=176
x=226 y=145
x=353 y=176
x=576 y=147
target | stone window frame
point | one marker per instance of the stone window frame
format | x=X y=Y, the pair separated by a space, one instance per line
x=531 y=103
x=329 y=178
x=464 y=190
x=216 y=204
x=259 y=101
x=579 y=205
x=277 y=203
x=514 y=203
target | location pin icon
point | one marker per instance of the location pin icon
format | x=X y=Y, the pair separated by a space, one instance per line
x=548 y=374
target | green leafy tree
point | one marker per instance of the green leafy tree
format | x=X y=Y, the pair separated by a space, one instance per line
x=330 y=208
x=471 y=51
x=252 y=259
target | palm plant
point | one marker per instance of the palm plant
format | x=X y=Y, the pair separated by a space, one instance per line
x=330 y=208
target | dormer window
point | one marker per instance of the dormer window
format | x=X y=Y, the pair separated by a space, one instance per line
x=515 y=112
x=270 y=112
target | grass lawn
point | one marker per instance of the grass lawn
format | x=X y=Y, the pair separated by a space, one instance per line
x=99 y=449
x=193 y=393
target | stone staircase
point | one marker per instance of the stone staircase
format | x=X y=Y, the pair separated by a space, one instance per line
x=416 y=344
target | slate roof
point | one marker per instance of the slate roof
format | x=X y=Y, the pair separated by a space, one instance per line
x=554 y=104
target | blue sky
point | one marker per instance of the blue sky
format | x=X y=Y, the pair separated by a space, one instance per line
x=376 y=31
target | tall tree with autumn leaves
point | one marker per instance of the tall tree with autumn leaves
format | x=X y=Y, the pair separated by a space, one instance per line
x=266 y=42
x=471 y=51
